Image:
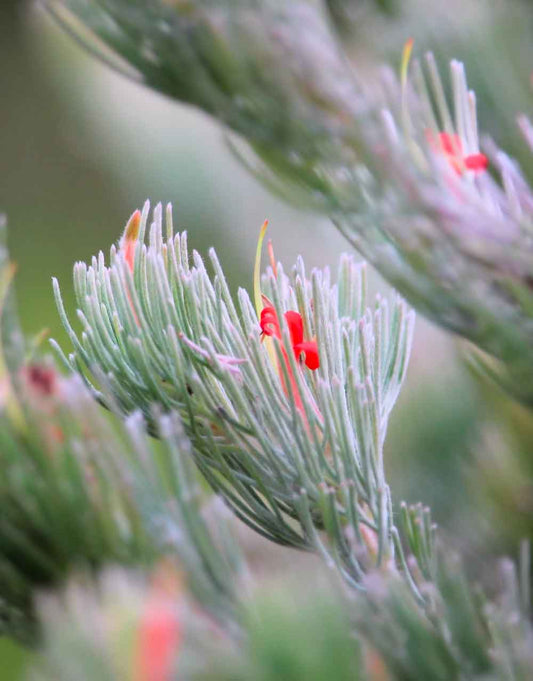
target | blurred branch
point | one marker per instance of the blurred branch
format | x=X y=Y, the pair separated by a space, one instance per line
x=296 y=627
x=76 y=492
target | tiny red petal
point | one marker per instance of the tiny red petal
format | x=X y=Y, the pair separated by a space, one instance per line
x=269 y=322
x=296 y=326
x=476 y=162
x=270 y=327
x=310 y=350
x=451 y=144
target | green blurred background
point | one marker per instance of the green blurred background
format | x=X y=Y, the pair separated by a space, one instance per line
x=82 y=148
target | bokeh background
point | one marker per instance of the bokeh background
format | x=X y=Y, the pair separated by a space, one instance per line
x=81 y=148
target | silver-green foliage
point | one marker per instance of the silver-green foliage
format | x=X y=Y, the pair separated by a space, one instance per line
x=457 y=246
x=278 y=441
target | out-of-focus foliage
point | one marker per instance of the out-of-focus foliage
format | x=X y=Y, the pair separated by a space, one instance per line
x=77 y=494
x=350 y=15
x=292 y=631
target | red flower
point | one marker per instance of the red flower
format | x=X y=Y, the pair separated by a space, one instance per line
x=41 y=379
x=159 y=633
x=270 y=327
x=159 y=636
x=269 y=322
x=451 y=147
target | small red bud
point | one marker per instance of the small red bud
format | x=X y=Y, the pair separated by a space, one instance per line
x=130 y=236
